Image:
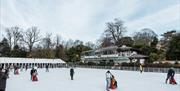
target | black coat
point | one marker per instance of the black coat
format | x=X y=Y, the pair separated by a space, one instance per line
x=71 y=71
x=3 y=78
x=171 y=72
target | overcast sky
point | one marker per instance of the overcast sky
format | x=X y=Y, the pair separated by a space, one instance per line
x=85 y=19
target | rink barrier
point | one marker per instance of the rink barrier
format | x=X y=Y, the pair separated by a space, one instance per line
x=145 y=69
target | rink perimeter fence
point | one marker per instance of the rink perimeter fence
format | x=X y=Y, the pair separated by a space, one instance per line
x=145 y=69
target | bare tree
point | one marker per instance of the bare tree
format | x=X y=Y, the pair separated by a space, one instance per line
x=90 y=44
x=47 y=41
x=115 y=29
x=9 y=35
x=144 y=37
x=31 y=36
x=17 y=36
x=57 y=40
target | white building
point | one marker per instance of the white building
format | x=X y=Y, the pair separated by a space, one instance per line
x=31 y=62
x=109 y=54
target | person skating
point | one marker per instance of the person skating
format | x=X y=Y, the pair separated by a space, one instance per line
x=72 y=73
x=170 y=74
x=31 y=72
x=26 y=66
x=172 y=81
x=16 y=70
x=108 y=80
x=47 y=68
x=113 y=84
x=34 y=75
x=3 y=78
x=141 y=68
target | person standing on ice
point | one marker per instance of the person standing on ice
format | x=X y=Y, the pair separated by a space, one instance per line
x=108 y=79
x=71 y=73
x=3 y=78
x=47 y=68
x=31 y=72
x=26 y=66
x=170 y=74
x=141 y=68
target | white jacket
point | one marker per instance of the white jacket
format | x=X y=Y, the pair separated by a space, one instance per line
x=108 y=75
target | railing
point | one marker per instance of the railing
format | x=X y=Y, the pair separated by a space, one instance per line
x=145 y=69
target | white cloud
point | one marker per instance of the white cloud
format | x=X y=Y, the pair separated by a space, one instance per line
x=78 y=19
x=161 y=21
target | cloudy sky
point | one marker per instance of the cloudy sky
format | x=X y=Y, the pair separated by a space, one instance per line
x=85 y=19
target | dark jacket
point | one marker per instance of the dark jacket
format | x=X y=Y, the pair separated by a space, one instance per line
x=171 y=72
x=3 y=78
x=71 y=71
x=32 y=71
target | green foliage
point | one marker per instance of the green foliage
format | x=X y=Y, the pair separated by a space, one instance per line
x=125 y=41
x=153 y=57
x=144 y=49
x=173 y=51
x=154 y=42
x=43 y=53
x=60 y=52
x=4 y=48
x=74 y=53
x=17 y=52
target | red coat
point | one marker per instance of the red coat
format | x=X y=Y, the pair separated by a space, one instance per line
x=172 y=81
x=113 y=84
x=34 y=77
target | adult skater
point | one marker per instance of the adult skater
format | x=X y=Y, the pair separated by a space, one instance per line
x=141 y=68
x=31 y=72
x=34 y=75
x=108 y=79
x=3 y=78
x=16 y=70
x=47 y=68
x=26 y=66
x=170 y=74
x=71 y=73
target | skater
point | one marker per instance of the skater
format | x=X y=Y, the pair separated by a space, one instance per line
x=141 y=68
x=170 y=74
x=172 y=81
x=34 y=76
x=71 y=73
x=31 y=72
x=47 y=68
x=113 y=84
x=108 y=79
x=3 y=78
x=26 y=66
x=16 y=70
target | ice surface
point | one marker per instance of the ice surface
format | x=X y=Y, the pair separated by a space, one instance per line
x=89 y=80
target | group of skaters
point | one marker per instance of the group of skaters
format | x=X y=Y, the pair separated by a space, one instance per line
x=111 y=82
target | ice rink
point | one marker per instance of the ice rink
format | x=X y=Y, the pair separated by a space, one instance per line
x=89 y=80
